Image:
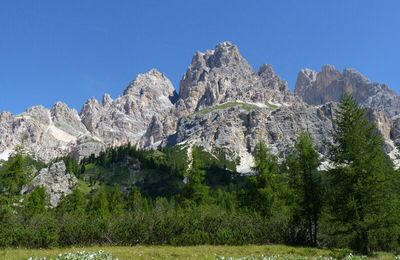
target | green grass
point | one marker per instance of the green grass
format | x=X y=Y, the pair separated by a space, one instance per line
x=83 y=187
x=192 y=252
x=246 y=106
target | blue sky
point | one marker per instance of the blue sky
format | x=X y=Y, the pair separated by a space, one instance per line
x=72 y=50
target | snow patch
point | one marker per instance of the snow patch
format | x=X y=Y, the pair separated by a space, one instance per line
x=5 y=154
x=325 y=166
x=24 y=117
x=259 y=104
x=190 y=156
x=246 y=162
x=394 y=154
x=183 y=142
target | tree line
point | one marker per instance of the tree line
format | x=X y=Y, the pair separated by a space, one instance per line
x=297 y=199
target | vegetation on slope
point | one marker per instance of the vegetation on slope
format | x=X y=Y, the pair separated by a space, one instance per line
x=246 y=106
x=127 y=196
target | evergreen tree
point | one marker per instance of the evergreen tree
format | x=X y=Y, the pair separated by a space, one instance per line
x=14 y=173
x=264 y=187
x=195 y=189
x=99 y=204
x=116 y=200
x=72 y=165
x=135 y=200
x=363 y=197
x=75 y=202
x=37 y=201
x=305 y=183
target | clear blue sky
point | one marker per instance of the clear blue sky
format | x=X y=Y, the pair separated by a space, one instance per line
x=72 y=50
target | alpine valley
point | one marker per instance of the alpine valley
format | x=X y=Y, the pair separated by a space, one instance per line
x=223 y=104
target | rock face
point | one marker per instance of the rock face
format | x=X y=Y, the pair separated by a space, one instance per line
x=223 y=75
x=45 y=133
x=48 y=134
x=382 y=103
x=222 y=103
x=225 y=104
x=55 y=180
x=238 y=129
x=126 y=119
x=317 y=88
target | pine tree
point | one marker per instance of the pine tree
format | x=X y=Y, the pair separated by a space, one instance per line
x=37 y=201
x=116 y=200
x=305 y=183
x=99 y=204
x=75 y=202
x=14 y=173
x=134 y=201
x=363 y=196
x=264 y=186
x=195 y=189
x=72 y=165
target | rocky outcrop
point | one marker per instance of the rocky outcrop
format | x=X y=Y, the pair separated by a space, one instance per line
x=317 y=88
x=55 y=132
x=127 y=118
x=381 y=103
x=223 y=75
x=238 y=129
x=56 y=181
x=45 y=133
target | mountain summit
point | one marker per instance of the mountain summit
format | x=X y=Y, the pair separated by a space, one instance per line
x=223 y=104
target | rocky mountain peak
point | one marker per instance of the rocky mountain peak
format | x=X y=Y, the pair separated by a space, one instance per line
x=60 y=110
x=153 y=82
x=67 y=119
x=60 y=106
x=90 y=114
x=223 y=75
x=38 y=113
x=266 y=70
x=329 y=85
x=107 y=100
x=227 y=54
x=223 y=103
x=327 y=75
x=5 y=116
x=305 y=79
x=355 y=76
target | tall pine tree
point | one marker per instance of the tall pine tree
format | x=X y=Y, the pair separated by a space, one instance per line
x=195 y=189
x=363 y=197
x=305 y=183
x=265 y=188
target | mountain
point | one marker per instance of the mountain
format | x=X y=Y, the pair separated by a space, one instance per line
x=328 y=85
x=223 y=105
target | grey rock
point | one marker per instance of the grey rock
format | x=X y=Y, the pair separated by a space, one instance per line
x=223 y=75
x=67 y=119
x=222 y=103
x=239 y=130
x=48 y=134
x=382 y=104
x=329 y=85
x=126 y=119
x=56 y=181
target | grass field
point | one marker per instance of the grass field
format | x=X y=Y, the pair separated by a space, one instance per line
x=195 y=252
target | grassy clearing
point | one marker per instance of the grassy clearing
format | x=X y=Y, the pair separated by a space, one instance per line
x=192 y=252
x=246 y=106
